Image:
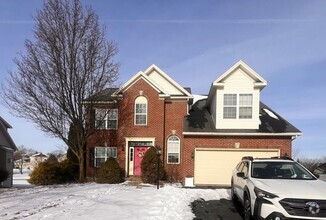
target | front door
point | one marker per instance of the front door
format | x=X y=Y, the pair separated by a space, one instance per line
x=139 y=154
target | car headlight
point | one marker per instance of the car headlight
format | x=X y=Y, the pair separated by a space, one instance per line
x=263 y=194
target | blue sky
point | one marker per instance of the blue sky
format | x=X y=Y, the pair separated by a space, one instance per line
x=195 y=42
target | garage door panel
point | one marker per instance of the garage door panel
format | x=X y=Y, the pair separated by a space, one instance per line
x=214 y=166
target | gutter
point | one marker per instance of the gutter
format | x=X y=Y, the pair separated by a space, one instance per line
x=239 y=134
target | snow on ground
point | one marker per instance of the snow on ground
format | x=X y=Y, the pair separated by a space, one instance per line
x=101 y=201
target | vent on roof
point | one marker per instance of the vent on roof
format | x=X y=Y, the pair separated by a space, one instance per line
x=271 y=114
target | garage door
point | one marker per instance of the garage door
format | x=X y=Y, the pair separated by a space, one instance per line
x=214 y=166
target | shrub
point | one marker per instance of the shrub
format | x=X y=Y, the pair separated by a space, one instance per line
x=49 y=173
x=149 y=167
x=4 y=175
x=110 y=172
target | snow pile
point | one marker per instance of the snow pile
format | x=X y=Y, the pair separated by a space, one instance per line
x=103 y=201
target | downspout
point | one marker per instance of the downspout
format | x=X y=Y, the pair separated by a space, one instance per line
x=163 y=144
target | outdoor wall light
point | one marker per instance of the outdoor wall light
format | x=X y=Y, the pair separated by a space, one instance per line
x=192 y=155
x=123 y=147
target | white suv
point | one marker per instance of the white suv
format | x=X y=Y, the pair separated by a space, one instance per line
x=278 y=189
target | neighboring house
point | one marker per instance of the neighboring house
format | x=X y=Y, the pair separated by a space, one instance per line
x=36 y=159
x=321 y=171
x=201 y=142
x=7 y=148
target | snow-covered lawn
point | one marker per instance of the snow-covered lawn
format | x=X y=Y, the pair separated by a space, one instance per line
x=102 y=201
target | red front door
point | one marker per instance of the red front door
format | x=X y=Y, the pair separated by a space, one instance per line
x=139 y=154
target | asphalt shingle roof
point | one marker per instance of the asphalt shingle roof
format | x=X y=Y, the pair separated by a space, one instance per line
x=200 y=120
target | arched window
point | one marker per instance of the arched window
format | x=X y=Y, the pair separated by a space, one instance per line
x=141 y=111
x=173 y=150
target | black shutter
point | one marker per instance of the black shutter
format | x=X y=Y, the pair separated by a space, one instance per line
x=92 y=122
x=91 y=156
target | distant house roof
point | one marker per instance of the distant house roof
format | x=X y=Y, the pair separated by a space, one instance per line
x=200 y=122
x=4 y=130
x=39 y=155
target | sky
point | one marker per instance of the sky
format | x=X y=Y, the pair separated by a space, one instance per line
x=195 y=42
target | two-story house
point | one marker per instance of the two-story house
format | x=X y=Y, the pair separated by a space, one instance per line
x=201 y=141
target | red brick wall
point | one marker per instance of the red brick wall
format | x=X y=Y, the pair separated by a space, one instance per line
x=159 y=110
x=192 y=142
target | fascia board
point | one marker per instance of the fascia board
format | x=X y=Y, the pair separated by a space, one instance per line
x=240 y=134
x=248 y=70
x=167 y=77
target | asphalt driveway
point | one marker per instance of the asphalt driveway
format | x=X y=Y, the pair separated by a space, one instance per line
x=217 y=209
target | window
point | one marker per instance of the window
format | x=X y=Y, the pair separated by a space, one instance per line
x=141 y=111
x=106 y=118
x=173 y=150
x=113 y=119
x=237 y=106
x=102 y=154
x=230 y=106
x=245 y=106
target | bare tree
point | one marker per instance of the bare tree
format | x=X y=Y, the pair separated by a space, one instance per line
x=21 y=156
x=69 y=60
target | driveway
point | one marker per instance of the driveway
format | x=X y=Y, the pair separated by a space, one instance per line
x=222 y=209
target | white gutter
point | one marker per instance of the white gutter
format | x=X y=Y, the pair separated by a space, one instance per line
x=239 y=134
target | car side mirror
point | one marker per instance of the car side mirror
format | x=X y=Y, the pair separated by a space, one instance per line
x=241 y=174
x=316 y=175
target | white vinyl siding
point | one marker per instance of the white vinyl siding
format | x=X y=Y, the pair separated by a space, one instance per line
x=173 y=150
x=238 y=83
x=101 y=155
x=141 y=111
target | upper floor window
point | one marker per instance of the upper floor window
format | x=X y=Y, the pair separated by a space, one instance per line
x=106 y=118
x=237 y=106
x=141 y=111
x=173 y=150
x=101 y=155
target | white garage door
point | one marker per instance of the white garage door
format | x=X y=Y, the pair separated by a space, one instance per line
x=214 y=166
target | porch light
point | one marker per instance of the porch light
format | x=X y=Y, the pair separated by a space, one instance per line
x=123 y=147
x=158 y=154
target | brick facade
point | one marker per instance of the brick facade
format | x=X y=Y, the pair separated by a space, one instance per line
x=192 y=142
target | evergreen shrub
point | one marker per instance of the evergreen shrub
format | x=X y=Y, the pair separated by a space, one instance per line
x=51 y=172
x=149 y=167
x=110 y=172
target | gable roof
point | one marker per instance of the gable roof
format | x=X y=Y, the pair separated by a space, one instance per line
x=104 y=96
x=259 y=81
x=159 y=80
x=200 y=122
x=4 y=129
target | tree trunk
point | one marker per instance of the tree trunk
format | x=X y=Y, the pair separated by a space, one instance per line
x=81 y=160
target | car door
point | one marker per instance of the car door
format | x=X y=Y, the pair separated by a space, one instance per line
x=242 y=181
x=237 y=179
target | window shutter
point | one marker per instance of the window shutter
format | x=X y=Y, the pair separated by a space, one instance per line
x=91 y=157
x=92 y=122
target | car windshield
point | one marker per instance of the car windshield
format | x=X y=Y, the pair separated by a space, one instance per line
x=279 y=170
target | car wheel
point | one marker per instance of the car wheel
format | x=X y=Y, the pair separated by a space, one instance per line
x=247 y=208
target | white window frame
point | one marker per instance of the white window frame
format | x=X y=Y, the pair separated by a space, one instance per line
x=229 y=106
x=245 y=105
x=238 y=106
x=173 y=147
x=106 y=118
x=107 y=153
x=141 y=100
